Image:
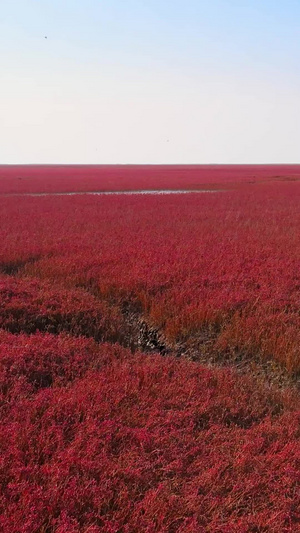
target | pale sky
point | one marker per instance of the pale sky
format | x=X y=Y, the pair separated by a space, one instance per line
x=149 y=81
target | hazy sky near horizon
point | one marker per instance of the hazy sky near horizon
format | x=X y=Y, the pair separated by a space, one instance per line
x=149 y=81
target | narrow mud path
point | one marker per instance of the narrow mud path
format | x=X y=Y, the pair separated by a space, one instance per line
x=142 y=336
x=138 y=334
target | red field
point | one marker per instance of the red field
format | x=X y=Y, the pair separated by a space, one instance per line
x=98 y=437
x=65 y=178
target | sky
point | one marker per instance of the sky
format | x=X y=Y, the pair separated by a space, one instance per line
x=150 y=81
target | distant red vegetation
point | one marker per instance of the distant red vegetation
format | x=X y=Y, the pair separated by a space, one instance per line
x=66 y=178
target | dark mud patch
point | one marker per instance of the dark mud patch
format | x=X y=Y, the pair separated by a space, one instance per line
x=139 y=334
x=286 y=178
x=200 y=348
x=12 y=268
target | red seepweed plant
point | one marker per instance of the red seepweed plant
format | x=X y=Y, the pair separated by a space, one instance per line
x=97 y=438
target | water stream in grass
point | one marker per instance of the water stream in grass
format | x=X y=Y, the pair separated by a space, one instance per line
x=106 y=193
